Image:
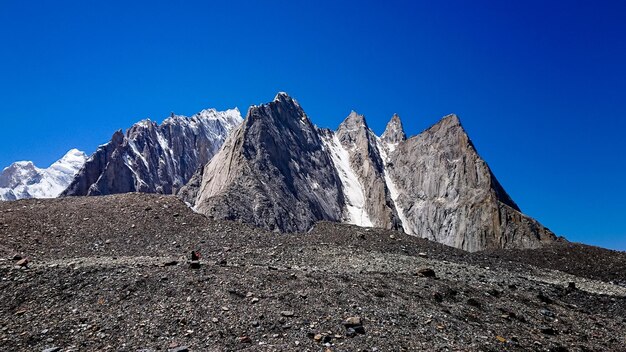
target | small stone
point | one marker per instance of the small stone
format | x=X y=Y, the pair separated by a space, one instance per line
x=254 y=323
x=180 y=349
x=225 y=309
x=548 y=331
x=22 y=262
x=355 y=324
x=16 y=257
x=500 y=338
x=195 y=255
x=254 y=300
x=545 y=299
x=426 y=272
x=352 y=321
x=318 y=337
x=350 y=332
x=474 y=302
x=245 y=339
x=547 y=313
x=215 y=320
x=287 y=313
x=422 y=254
x=52 y=349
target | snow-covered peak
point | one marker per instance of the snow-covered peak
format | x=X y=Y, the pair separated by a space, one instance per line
x=73 y=159
x=23 y=179
x=281 y=96
x=228 y=117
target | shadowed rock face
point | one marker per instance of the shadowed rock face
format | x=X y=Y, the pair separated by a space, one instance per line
x=154 y=158
x=280 y=172
x=273 y=172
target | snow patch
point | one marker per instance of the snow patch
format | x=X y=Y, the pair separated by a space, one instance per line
x=353 y=190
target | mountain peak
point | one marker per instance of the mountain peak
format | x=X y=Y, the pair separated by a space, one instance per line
x=282 y=96
x=450 y=120
x=24 y=180
x=354 y=121
x=394 y=132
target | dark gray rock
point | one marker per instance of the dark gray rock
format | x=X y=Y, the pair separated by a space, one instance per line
x=273 y=172
x=154 y=158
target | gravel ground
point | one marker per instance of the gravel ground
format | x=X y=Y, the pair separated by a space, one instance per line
x=113 y=274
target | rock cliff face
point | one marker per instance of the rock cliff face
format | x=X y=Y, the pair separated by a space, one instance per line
x=448 y=194
x=154 y=158
x=367 y=197
x=273 y=172
x=23 y=179
x=280 y=172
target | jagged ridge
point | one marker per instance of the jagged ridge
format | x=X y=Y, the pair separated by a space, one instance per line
x=280 y=172
x=155 y=158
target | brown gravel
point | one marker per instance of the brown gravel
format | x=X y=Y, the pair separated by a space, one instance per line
x=111 y=274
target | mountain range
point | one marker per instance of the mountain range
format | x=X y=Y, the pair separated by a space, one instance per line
x=279 y=171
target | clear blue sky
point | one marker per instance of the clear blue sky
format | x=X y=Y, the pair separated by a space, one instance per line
x=540 y=86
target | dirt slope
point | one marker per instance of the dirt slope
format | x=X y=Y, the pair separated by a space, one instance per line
x=102 y=277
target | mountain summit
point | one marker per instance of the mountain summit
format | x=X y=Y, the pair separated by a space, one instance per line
x=394 y=132
x=273 y=172
x=279 y=171
x=23 y=179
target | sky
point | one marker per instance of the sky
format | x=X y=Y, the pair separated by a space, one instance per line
x=540 y=86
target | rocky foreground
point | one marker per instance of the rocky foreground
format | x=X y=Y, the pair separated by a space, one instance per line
x=114 y=273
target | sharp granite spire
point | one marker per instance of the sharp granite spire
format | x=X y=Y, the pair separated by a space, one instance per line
x=394 y=132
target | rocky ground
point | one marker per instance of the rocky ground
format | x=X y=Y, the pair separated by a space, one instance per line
x=113 y=274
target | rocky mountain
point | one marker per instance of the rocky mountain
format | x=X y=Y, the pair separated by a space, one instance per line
x=279 y=171
x=445 y=192
x=154 y=158
x=273 y=171
x=23 y=179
